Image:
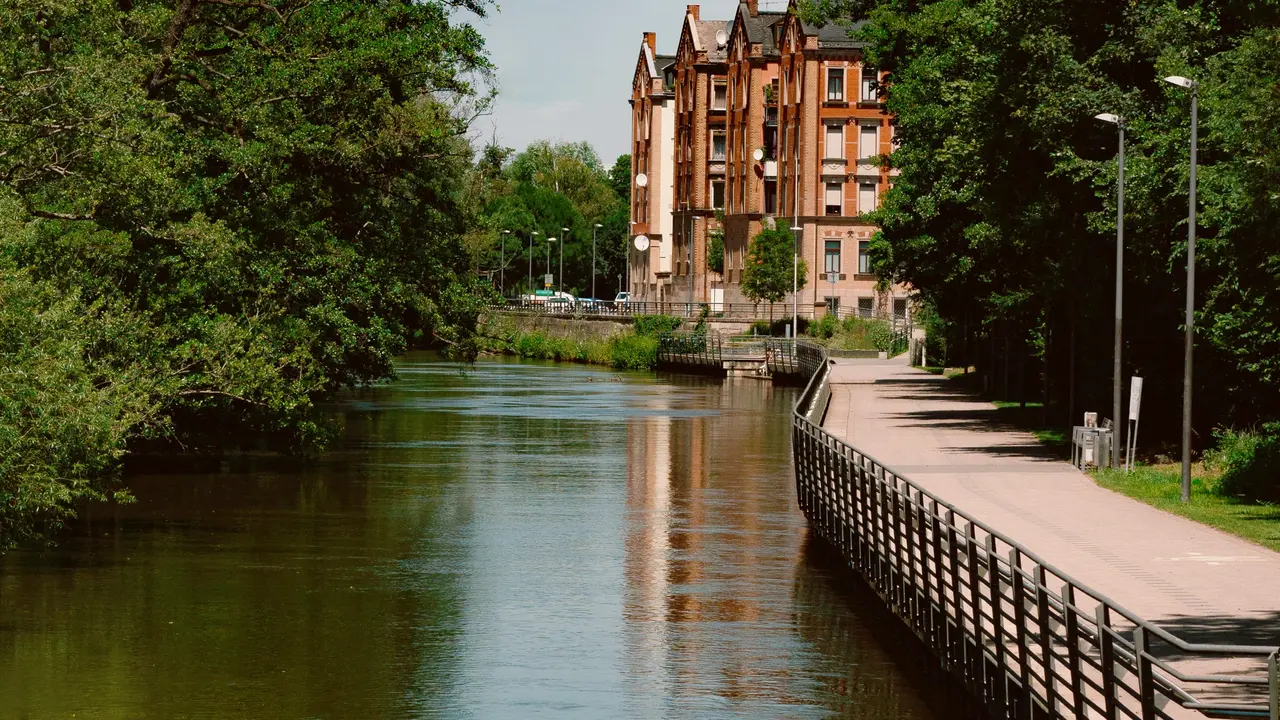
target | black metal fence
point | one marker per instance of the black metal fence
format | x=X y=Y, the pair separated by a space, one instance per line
x=691 y=352
x=1026 y=639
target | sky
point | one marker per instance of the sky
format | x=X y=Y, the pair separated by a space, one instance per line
x=565 y=66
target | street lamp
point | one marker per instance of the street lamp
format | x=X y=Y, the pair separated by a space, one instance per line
x=594 y=232
x=502 y=284
x=1193 y=86
x=560 y=280
x=532 y=287
x=795 y=283
x=549 y=241
x=1116 y=380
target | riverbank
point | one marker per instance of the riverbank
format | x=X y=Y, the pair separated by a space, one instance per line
x=621 y=347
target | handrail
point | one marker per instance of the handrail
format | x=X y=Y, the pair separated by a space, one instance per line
x=899 y=535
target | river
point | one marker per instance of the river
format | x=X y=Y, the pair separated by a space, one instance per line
x=507 y=540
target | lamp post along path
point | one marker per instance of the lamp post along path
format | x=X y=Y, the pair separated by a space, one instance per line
x=1116 y=377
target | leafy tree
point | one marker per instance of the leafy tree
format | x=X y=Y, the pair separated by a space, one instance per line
x=771 y=270
x=715 y=251
x=252 y=206
x=620 y=178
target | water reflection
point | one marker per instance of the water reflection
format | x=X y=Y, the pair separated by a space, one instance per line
x=513 y=540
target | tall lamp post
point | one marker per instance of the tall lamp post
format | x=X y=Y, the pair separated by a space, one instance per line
x=502 y=272
x=1116 y=380
x=560 y=280
x=532 y=287
x=594 y=232
x=1193 y=86
x=692 y=232
x=549 y=241
x=795 y=283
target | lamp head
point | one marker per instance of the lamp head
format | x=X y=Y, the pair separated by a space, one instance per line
x=506 y=232
x=1110 y=118
x=565 y=229
x=599 y=225
x=551 y=240
x=1181 y=81
x=797 y=229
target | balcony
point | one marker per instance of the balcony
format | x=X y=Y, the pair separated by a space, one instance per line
x=771 y=168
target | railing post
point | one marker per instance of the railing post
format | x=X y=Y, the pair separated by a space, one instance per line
x=1107 y=659
x=1273 y=676
x=1000 y=685
x=1045 y=621
x=1018 y=590
x=976 y=668
x=953 y=547
x=1072 y=631
x=1146 y=681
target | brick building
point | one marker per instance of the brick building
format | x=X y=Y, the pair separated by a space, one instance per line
x=775 y=120
x=700 y=112
x=653 y=162
x=833 y=130
x=750 y=189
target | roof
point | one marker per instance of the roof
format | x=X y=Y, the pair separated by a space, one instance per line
x=835 y=36
x=706 y=38
x=663 y=62
x=759 y=29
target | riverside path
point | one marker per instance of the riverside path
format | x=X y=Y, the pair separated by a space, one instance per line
x=1199 y=583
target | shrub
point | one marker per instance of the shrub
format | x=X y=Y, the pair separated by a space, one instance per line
x=880 y=335
x=1250 y=463
x=761 y=327
x=633 y=352
x=654 y=325
x=825 y=328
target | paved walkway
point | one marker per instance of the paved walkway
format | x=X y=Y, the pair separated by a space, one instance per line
x=1201 y=584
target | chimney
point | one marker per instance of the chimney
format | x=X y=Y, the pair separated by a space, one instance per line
x=651 y=40
x=753 y=7
x=694 y=11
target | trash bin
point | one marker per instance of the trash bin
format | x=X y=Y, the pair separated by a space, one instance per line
x=1091 y=447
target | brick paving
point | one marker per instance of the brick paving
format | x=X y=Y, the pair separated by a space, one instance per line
x=1201 y=584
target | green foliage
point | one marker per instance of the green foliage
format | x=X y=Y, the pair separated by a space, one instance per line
x=1249 y=463
x=655 y=325
x=633 y=352
x=826 y=328
x=715 y=251
x=241 y=208
x=880 y=335
x=777 y=328
x=770 y=271
x=620 y=178
x=1002 y=215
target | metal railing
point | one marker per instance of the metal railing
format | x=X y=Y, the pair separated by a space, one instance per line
x=698 y=352
x=768 y=312
x=1025 y=638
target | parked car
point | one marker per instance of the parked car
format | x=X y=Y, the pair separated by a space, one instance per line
x=622 y=299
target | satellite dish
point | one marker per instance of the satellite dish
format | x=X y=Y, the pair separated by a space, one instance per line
x=642 y=180
x=758 y=154
x=722 y=38
x=642 y=242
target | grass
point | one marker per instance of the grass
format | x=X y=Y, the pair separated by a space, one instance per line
x=1160 y=486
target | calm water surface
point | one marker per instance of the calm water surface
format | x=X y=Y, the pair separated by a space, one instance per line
x=513 y=540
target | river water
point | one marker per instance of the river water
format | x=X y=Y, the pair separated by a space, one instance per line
x=510 y=540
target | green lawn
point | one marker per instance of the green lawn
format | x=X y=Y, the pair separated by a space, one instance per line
x=1160 y=487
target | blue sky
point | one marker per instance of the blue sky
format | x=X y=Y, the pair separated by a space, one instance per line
x=565 y=66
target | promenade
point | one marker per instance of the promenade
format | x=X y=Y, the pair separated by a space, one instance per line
x=1199 y=583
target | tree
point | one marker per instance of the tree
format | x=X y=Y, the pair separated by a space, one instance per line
x=253 y=205
x=771 y=270
x=620 y=178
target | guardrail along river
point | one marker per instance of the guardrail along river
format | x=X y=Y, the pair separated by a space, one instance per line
x=509 y=540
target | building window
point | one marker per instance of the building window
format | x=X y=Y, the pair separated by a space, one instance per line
x=833 y=306
x=717 y=145
x=867 y=197
x=835 y=142
x=718 y=95
x=868 y=142
x=835 y=199
x=770 y=197
x=864 y=261
x=835 y=85
x=900 y=308
x=717 y=194
x=869 y=84
x=866 y=307
x=833 y=257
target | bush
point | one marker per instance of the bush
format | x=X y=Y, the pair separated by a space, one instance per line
x=825 y=328
x=655 y=325
x=880 y=335
x=761 y=328
x=633 y=352
x=1250 y=463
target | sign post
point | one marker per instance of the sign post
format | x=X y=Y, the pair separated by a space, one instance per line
x=1135 y=410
